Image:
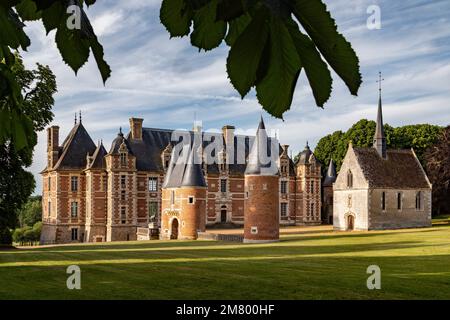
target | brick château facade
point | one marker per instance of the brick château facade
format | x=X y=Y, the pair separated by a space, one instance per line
x=94 y=195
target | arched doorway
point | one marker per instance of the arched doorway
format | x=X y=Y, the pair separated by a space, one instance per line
x=350 y=222
x=174 y=229
x=223 y=214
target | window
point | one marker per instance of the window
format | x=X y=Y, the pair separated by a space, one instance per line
x=123 y=159
x=223 y=185
x=312 y=209
x=349 y=179
x=399 y=200
x=152 y=211
x=283 y=187
x=74 y=184
x=419 y=200
x=123 y=215
x=191 y=200
x=383 y=200
x=312 y=187
x=123 y=182
x=254 y=230
x=349 y=201
x=123 y=195
x=172 y=197
x=49 y=209
x=283 y=209
x=74 y=234
x=49 y=184
x=74 y=209
x=153 y=184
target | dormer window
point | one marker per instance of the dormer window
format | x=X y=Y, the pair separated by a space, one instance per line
x=349 y=179
x=123 y=159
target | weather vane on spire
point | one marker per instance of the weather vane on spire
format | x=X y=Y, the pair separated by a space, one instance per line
x=380 y=79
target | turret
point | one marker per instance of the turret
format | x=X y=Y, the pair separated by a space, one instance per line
x=261 y=217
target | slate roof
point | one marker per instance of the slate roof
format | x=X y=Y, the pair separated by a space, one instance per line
x=331 y=175
x=77 y=145
x=256 y=165
x=400 y=170
x=305 y=155
x=98 y=158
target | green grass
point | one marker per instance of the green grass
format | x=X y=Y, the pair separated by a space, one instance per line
x=313 y=264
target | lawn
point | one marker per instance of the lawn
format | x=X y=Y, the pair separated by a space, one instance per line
x=315 y=263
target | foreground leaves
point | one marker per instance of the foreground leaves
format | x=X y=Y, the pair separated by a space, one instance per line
x=267 y=49
x=74 y=43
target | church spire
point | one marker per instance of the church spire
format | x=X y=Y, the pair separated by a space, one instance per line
x=379 y=139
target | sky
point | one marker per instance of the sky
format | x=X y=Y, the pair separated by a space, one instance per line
x=169 y=83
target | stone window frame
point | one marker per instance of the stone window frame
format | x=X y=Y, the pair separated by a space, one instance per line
x=49 y=182
x=74 y=183
x=284 y=187
x=311 y=186
x=383 y=201
x=72 y=233
x=123 y=195
x=156 y=207
x=191 y=198
x=49 y=209
x=123 y=181
x=123 y=214
x=349 y=179
x=254 y=230
x=152 y=183
x=223 y=185
x=74 y=205
x=286 y=207
x=123 y=159
x=399 y=199
x=419 y=201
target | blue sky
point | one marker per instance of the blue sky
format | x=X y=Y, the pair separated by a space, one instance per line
x=169 y=83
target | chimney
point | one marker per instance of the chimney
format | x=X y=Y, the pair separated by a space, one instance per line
x=228 y=135
x=52 y=146
x=136 y=128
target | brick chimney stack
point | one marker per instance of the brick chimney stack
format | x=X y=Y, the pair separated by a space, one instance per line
x=136 y=128
x=52 y=146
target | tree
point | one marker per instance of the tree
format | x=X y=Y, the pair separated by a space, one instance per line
x=437 y=159
x=268 y=50
x=419 y=137
x=31 y=212
x=16 y=184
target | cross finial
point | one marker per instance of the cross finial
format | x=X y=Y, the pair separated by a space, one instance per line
x=380 y=79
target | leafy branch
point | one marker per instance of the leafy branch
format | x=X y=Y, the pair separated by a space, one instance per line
x=268 y=50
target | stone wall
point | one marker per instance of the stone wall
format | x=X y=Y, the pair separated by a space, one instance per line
x=393 y=218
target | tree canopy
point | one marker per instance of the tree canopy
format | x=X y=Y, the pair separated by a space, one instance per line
x=16 y=184
x=334 y=146
x=268 y=49
x=437 y=159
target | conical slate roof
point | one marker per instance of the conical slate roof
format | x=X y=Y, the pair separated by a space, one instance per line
x=193 y=174
x=331 y=176
x=76 y=146
x=184 y=171
x=261 y=160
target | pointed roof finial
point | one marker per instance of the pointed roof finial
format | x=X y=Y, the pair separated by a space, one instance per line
x=80 y=117
x=75 y=120
x=380 y=79
x=120 y=131
x=307 y=144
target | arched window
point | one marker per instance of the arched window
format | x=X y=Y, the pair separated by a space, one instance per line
x=349 y=179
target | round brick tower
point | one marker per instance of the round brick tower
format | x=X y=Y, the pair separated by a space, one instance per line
x=184 y=199
x=261 y=217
